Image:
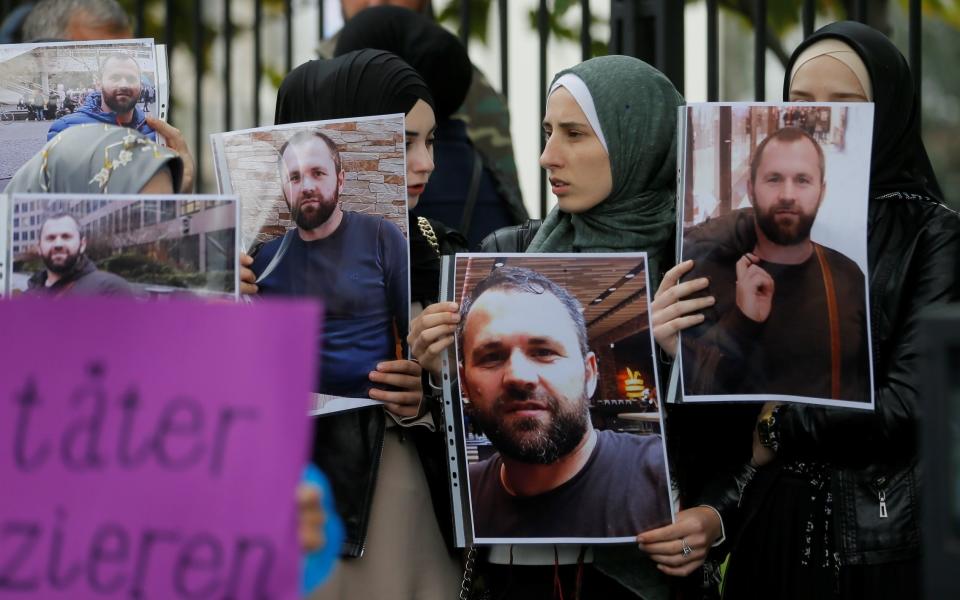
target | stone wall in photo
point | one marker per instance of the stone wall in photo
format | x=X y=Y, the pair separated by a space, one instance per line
x=372 y=154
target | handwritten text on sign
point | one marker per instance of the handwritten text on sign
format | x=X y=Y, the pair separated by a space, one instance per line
x=151 y=450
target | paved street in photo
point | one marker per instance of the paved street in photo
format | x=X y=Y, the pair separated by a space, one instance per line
x=18 y=142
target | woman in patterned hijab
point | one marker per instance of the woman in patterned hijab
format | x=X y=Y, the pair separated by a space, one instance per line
x=100 y=159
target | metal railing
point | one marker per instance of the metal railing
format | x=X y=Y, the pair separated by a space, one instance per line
x=649 y=29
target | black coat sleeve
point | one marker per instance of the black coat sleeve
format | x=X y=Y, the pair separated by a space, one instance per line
x=928 y=272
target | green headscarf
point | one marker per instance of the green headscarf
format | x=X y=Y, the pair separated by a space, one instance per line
x=95 y=159
x=637 y=109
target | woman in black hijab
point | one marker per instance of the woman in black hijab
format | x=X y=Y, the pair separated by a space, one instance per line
x=899 y=159
x=464 y=193
x=832 y=511
x=384 y=485
x=375 y=82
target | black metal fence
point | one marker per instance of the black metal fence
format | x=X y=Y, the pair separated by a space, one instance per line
x=649 y=29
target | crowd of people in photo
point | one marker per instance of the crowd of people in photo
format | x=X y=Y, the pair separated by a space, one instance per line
x=775 y=500
x=39 y=106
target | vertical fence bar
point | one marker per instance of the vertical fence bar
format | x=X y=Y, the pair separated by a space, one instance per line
x=809 y=17
x=504 y=48
x=198 y=56
x=713 y=51
x=862 y=10
x=169 y=13
x=227 y=67
x=543 y=28
x=257 y=59
x=141 y=18
x=288 y=29
x=320 y=15
x=670 y=41
x=617 y=43
x=465 y=23
x=916 y=47
x=759 y=50
x=651 y=31
x=585 y=42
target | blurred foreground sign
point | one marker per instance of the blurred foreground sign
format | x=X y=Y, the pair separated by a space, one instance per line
x=152 y=450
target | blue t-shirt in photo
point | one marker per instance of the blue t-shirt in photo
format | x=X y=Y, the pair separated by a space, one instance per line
x=360 y=272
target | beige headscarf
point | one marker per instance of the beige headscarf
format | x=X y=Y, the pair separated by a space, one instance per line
x=838 y=50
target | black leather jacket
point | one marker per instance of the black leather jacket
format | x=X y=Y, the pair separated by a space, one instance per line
x=515 y=238
x=914 y=258
x=348 y=448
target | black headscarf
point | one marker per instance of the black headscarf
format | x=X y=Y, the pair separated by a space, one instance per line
x=899 y=162
x=358 y=84
x=363 y=83
x=429 y=48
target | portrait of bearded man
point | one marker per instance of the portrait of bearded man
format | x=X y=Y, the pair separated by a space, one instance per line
x=527 y=375
x=790 y=315
x=355 y=262
x=115 y=102
x=62 y=247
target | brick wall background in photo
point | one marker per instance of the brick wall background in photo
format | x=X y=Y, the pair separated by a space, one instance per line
x=372 y=154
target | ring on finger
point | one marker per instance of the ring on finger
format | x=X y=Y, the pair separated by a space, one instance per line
x=685 y=548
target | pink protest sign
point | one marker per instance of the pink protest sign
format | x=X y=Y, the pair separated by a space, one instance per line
x=152 y=450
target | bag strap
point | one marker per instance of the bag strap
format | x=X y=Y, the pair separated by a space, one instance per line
x=834 y=317
x=284 y=244
x=472 y=192
x=427 y=230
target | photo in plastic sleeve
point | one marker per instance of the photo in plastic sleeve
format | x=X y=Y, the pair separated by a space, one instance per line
x=120 y=245
x=50 y=86
x=773 y=203
x=557 y=380
x=324 y=214
x=4 y=236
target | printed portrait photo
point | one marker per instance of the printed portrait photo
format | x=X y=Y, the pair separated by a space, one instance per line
x=773 y=204
x=324 y=215
x=562 y=418
x=145 y=247
x=48 y=87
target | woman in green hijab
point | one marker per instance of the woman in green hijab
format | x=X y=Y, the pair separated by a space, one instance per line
x=610 y=154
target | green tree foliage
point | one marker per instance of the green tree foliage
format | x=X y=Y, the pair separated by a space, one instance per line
x=479 y=13
x=782 y=16
x=947 y=11
x=155 y=24
x=560 y=27
x=785 y=15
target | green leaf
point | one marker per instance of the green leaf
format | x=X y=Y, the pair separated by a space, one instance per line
x=560 y=7
x=557 y=29
x=598 y=48
x=479 y=16
x=947 y=11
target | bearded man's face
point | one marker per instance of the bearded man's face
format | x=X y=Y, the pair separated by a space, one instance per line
x=61 y=245
x=120 y=85
x=311 y=183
